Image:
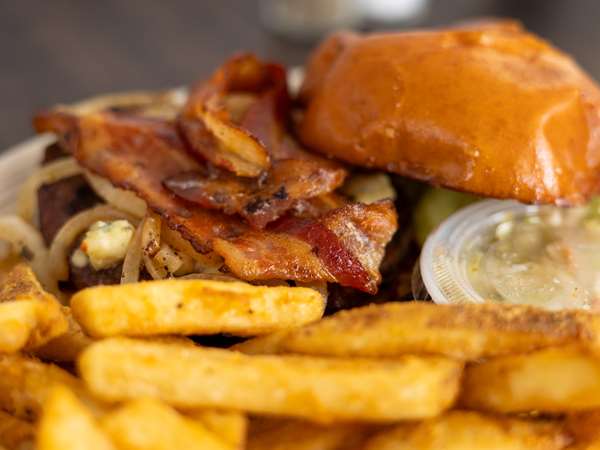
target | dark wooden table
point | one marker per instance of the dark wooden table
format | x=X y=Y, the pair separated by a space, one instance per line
x=63 y=50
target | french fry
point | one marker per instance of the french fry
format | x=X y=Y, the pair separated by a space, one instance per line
x=26 y=382
x=29 y=316
x=230 y=426
x=460 y=430
x=15 y=433
x=151 y=425
x=66 y=424
x=584 y=429
x=193 y=307
x=549 y=380
x=67 y=346
x=465 y=331
x=300 y=435
x=317 y=389
x=269 y=344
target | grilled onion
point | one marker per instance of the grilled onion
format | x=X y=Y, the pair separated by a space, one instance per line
x=133 y=258
x=119 y=198
x=209 y=262
x=50 y=173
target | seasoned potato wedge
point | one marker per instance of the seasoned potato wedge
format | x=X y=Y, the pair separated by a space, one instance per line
x=29 y=316
x=147 y=424
x=66 y=424
x=461 y=331
x=317 y=389
x=549 y=380
x=194 y=307
x=461 y=430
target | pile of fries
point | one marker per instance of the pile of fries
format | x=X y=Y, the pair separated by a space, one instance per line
x=117 y=370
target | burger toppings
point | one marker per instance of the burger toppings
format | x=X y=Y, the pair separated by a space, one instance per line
x=210 y=127
x=291 y=175
x=345 y=245
x=104 y=244
x=295 y=227
x=259 y=201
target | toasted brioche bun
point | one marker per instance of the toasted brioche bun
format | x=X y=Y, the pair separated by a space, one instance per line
x=486 y=108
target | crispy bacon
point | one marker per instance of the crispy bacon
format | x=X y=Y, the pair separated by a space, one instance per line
x=136 y=154
x=261 y=255
x=259 y=202
x=209 y=126
x=343 y=245
x=294 y=173
x=346 y=245
x=364 y=231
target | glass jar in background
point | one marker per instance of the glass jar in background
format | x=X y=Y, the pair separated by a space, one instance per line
x=309 y=20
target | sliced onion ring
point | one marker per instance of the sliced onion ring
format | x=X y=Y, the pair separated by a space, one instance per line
x=209 y=262
x=159 y=104
x=64 y=239
x=50 y=173
x=119 y=198
x=133 y=258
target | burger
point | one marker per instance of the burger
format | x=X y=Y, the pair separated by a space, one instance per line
x=336 y=186
x=486 y=110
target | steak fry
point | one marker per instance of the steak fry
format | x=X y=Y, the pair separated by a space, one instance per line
x=318 y=389
x=467 y=332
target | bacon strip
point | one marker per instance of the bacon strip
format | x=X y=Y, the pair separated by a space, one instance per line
x=136 y=154
x=258 y=202
x=209 y=126
x=259 y=255
x=294 y=173
x=364 y=231
x=344 y=245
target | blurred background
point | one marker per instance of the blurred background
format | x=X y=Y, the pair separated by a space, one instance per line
x=64 y=50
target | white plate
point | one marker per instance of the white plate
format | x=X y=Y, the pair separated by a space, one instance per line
x=16 y=164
